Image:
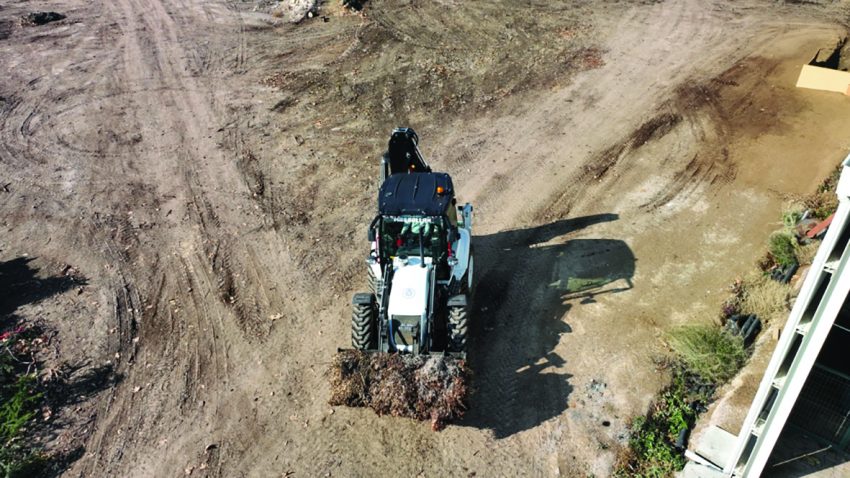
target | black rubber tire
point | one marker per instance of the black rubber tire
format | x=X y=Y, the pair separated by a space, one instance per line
x=457 y=328
x=459 y=286
x=363 y=327
x=373 y=281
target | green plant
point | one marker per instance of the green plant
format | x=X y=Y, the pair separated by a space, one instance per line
x=709 y=351
x=782 y=248
x=18 y=402
x=16 y=411
x=577 y=284
x=791 y=215
x=652 y=443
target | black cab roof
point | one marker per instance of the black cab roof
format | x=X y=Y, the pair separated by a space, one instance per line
x=420 y=194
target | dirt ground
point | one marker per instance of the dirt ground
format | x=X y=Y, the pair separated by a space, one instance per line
x=186 y=187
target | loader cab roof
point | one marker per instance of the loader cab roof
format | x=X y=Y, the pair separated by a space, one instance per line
x=418 y=194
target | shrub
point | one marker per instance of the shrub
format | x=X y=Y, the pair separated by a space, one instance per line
x=708 y=355
x=822 y=204
x=653 y=452
x=831 y=182
x=709 y=351
x=782 y=247
x=732 y=305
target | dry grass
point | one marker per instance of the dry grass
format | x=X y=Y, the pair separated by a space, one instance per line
x=806 y=252
x=765 y=298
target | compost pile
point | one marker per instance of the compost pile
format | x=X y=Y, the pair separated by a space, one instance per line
x=425 y=388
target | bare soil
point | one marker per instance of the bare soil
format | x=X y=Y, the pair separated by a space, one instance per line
x=207 y=172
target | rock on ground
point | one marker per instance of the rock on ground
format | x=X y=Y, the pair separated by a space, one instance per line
x=294 y=10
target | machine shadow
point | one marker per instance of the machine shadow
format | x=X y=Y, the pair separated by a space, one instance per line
x=520 y=305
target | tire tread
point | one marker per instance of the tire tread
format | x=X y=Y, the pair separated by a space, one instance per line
x=363 y=327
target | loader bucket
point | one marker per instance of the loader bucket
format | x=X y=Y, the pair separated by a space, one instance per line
x=424 y=387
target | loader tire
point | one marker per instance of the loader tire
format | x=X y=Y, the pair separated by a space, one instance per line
x=373 y=281
x=465 y=285
x=457 y=328
x=363 y=327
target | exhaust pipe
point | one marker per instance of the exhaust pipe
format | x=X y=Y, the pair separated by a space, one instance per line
x=421 y=250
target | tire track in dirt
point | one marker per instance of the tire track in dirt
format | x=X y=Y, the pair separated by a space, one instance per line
x=18 y=142
x=561 y=179
x=194 y=181
x=565 y=152
x=202 y=300
x=206 y=183
x=596 y=170
x=205 y=293
x=127 y=312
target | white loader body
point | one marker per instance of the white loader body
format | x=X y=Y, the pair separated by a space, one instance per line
x=420 y=261
x=410 y=301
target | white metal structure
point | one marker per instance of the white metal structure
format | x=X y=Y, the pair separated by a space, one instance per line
x=823 y=294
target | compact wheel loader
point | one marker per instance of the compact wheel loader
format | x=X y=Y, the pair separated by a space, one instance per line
x=420 y=264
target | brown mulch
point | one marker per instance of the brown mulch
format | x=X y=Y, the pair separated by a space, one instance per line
x=422 y=387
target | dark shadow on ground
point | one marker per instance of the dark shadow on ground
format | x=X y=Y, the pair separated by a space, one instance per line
x=519 y=309
x=62 y=389
x=74 y=385
x=20 y=284
x=78 y=382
